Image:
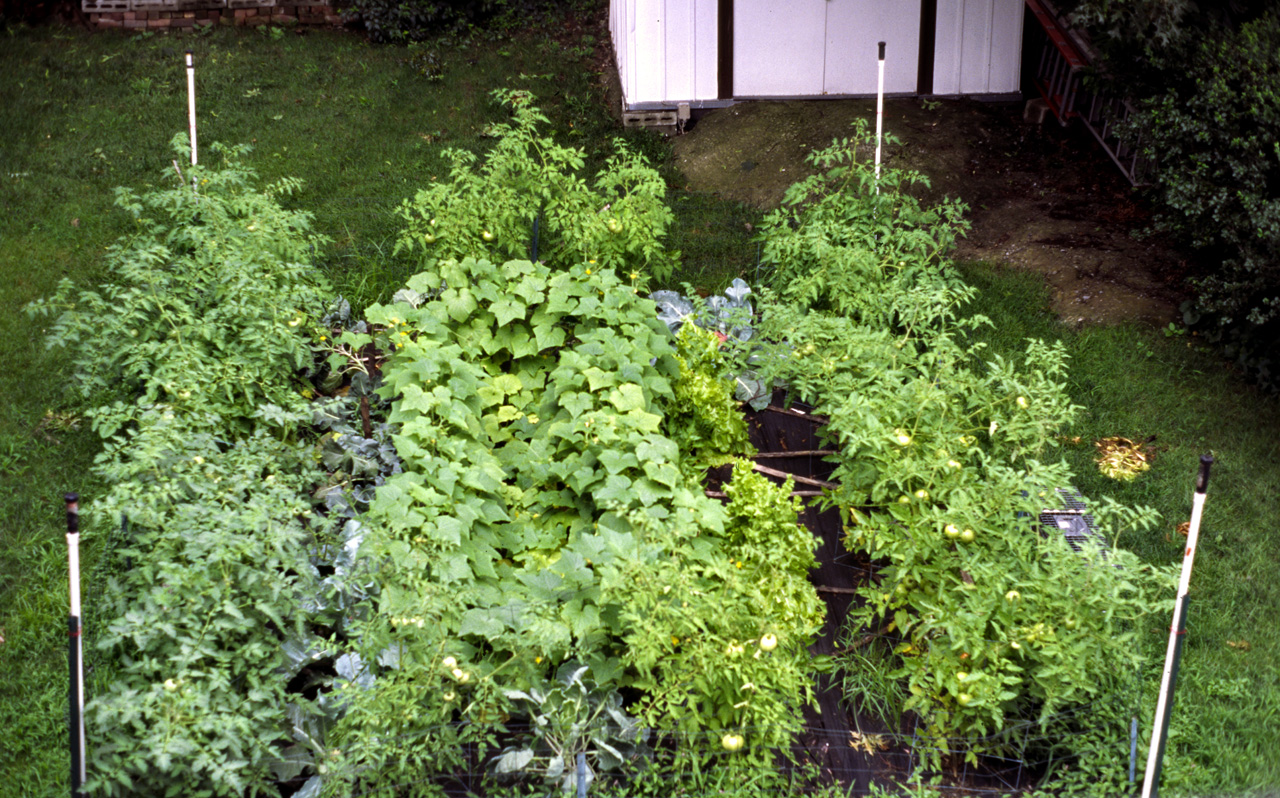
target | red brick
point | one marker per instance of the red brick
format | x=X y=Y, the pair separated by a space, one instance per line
x=183 y=23
x=107 y=22
x=158 y=23
x=135 y=23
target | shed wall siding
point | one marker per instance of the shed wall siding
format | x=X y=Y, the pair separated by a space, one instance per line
x=979 y=47
x=666 y=49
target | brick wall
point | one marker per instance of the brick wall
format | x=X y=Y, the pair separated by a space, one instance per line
x=156 y=14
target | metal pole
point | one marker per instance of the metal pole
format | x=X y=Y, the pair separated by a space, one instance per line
x=879 y=114
x=1177 y=633
x=1133 y=749
x=191 y=104
x=582 y=775
x=75 y=649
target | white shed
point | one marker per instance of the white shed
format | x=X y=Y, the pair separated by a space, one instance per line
x=709 y=53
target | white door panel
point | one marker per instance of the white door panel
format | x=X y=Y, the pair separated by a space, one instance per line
x=854 y=28
x=778 y=47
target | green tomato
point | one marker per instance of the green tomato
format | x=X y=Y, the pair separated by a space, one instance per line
x=1013 y=595
x=614 y=226
x=769 y=642
x=732 y=742
x=964 y=699
x=967 y=536
x=951 y=531
x=486 y=235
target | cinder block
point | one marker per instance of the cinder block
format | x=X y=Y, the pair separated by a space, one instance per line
x=656 y=118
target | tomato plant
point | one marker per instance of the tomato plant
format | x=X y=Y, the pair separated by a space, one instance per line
x=487 y=207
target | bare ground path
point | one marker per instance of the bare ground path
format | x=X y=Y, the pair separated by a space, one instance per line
x=1041 y=198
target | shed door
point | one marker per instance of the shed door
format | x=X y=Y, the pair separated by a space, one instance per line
x=854 y=27
x=788 y=48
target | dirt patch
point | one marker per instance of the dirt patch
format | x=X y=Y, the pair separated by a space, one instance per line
x=1041 y=198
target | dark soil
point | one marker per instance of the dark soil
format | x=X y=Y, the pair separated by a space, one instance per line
x=1042 y=198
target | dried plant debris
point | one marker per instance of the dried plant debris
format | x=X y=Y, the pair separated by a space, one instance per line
x=868 y=743
x=1124 y=459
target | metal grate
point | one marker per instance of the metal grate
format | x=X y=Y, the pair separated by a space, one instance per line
x=1072 y=521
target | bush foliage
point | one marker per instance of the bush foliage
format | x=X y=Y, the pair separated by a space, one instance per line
x=1214 y=137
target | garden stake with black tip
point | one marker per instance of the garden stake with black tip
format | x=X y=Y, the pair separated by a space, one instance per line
x=879 y=113
x=1177 y=633
x=191 y=104
x=75 y=649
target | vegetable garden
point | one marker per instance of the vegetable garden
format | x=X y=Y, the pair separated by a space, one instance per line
x=468 y=531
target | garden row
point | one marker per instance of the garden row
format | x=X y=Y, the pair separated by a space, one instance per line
x=469 y=525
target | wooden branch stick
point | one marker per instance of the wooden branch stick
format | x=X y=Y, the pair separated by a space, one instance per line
x=773 y=472
x=719 y=494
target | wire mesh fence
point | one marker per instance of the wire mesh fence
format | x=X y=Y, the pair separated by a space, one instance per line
x=818 y=761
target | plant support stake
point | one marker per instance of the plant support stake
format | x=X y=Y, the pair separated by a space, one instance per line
x=75 y=648
x=191 y=106
x=879 y=113
x=1177 y=632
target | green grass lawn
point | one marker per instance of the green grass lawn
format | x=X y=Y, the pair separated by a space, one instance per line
x=364 y=126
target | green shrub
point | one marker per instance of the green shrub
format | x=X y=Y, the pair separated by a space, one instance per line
x=1213 y=138
x=402 y=21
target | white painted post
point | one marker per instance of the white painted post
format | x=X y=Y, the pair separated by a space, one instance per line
x=879 y=114
x=1177 y=632
x=191 y=104
x=75 y=649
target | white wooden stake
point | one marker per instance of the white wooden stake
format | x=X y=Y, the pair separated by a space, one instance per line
x=1177 y=633
x=191 y=105
x=879 y=114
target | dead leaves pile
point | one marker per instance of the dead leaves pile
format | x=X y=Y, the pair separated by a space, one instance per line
x=1124 y=459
